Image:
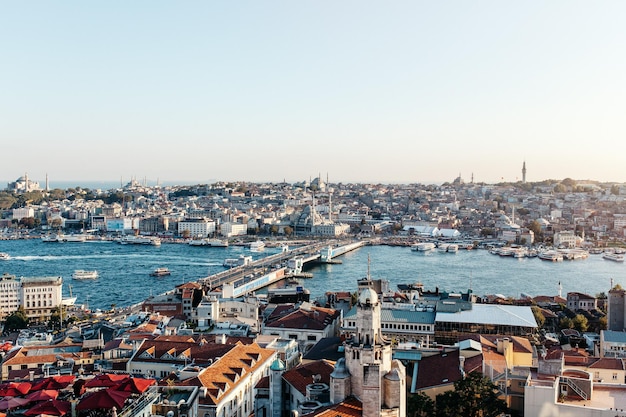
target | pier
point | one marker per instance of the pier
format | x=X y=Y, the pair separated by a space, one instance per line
x=244 y=279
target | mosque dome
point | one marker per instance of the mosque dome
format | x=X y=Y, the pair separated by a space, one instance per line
x=277 y=365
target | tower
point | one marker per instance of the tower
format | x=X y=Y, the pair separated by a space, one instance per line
x=524 y=173
x=368 y=370
x=276 y=387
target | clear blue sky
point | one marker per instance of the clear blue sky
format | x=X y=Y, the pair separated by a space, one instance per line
x=401 y=91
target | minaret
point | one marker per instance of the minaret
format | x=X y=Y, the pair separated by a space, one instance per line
x=47 y=184
x=524 y=173
x=276 y=387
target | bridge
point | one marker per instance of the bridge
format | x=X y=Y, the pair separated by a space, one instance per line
x=244 y=279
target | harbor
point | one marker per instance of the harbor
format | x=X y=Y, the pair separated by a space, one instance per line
x=123 y=270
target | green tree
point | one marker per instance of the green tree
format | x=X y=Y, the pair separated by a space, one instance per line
x=17 y=320
x=566 y=323
x=288 y=230
x=560 y=188
x=473 y=396
x=274 y=230
x=420 y=405
x=539 y=317
x=603 y=323
x=580 y=323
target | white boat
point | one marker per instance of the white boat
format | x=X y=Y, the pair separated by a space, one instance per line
x=214 y=243
x=4 y=256
x=160 y=272
x=448 y=248
x=550 y=255
x=423 y=247
x=82 y=274
x=50 y=238
x=140 y=240
x=612 y=256
x=68 y=301
x=218 y=243
x=257 y=246
x=72 y=238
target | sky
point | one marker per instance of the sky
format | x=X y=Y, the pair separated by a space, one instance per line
x=357 y=91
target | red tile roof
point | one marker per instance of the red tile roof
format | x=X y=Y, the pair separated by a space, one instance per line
x=302 y=375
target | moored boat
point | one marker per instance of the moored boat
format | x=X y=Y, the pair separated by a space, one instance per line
x=423 y=247
x=550 y=255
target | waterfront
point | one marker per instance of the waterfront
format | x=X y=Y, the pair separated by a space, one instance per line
x=124 y=270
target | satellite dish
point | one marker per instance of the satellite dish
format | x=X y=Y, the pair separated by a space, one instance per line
x=170 y=414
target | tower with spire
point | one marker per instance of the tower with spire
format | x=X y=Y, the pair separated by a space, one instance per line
x=367 y=371
x=524 y=173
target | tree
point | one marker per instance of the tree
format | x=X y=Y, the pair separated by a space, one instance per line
x=473 y=396
x=274 y=230
x=580 y=323
x=288 y=230
x=539 y=317
x=16 y=320
x=603 y=323
x=566 y=323
x=420 y=405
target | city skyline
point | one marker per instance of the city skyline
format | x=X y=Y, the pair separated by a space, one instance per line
x=408 y=92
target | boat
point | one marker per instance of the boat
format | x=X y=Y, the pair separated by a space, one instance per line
x=50 y=238
x=72 y=238
x=82 y=274
x=214 y=243
x=550 y=255
x=448 y=248
x=68 y=301
x=160 y=272
x=423 y=247
x=140 y=240
x=4 y=256
x=257 y=246
x=612 y=256
x=218 y=243
x=289 y=294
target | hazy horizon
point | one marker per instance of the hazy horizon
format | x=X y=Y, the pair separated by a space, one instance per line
x=364 y=92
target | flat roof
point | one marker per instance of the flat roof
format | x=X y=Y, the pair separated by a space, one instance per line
x=496 y=314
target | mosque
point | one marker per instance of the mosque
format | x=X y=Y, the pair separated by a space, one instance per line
x=24 y=185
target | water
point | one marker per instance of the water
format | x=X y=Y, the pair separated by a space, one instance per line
x=125 y=270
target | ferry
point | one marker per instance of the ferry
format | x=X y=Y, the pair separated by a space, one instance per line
x=82 y=274
x=4 y=256
x=140 y=240
x=448 y=248
x=612 y=256
x=160 y=272
x=423 y=247
x=72 y=238
x=257 y=246
x=214 y=243
x=550 y=255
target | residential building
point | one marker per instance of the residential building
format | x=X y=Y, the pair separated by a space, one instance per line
x=40 y=296
x=580 y=301
x=306 y=324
